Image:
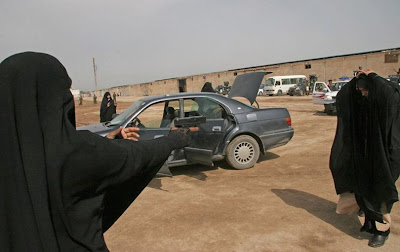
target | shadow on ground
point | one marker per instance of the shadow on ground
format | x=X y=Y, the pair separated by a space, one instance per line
x=322 y=113
x=197 y=171
x=267 y=156
x=322 y=209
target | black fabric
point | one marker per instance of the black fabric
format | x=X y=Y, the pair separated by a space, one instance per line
x=60 y=188
x=365 y=156
x=207 y=87
x=106 y=112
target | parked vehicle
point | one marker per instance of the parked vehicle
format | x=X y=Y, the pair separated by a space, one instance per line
x=322 y=94
x=279 y=85
x=394 y=78
x=233 y=130
x=299 y=89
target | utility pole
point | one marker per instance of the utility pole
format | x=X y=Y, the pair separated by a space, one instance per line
x=95 y=81
x=95 y=76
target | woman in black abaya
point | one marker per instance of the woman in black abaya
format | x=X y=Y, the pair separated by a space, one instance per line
x=60 y=189
x=107 y=108
x=207 y=87
x=365 y=156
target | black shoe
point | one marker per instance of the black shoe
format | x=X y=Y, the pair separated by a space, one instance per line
x=377 y=240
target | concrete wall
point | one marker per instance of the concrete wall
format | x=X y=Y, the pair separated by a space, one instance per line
x=330 y=68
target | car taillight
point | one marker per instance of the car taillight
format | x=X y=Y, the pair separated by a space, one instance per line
x=288 y=121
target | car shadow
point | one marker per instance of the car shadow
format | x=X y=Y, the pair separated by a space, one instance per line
x=197 y=171
x=323 y=209
x=267 y=156
x=320 y=113
x=193 y=171
x=156 y=183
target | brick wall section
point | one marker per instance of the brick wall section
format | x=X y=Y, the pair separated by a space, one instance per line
x=325 y=69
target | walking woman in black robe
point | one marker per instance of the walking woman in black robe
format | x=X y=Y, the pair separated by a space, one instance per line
x=61 y=189
x=365 y=156
x=107 y=108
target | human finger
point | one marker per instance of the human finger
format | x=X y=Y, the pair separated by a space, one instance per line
x=194 y=129
x=131 y=129
x=130 y=133
x=114 y=133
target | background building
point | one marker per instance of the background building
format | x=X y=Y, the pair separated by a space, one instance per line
x=384 y=62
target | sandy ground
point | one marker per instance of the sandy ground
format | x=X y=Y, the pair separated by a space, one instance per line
x=286 y=202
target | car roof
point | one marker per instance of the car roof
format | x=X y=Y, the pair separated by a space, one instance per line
x=234 y=105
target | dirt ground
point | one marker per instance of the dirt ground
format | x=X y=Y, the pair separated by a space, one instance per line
x=286 y=202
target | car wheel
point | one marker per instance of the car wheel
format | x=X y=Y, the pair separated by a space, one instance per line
x=279 y=92
x=242 y=152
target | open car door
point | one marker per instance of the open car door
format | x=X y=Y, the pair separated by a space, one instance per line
x=318 y=95
x=205 y=142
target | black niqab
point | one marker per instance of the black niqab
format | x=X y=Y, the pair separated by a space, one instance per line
x=60 y=189
x=365 y=156
x=106 y=112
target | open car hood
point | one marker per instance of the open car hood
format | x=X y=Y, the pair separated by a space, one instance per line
x=247 y=85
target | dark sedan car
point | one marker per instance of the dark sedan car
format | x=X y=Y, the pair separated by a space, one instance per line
x=233 y=130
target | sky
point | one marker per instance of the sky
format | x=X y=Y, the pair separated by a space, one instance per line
x=137 y=41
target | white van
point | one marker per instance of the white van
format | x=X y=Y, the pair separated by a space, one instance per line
x=278 y=85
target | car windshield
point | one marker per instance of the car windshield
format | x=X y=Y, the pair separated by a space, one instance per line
x=270 y=82
x=127 y=113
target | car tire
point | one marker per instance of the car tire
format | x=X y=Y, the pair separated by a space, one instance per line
x=279 y=92
x=242 y=152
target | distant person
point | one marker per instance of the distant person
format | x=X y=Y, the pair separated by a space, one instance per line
x=115 y=97
x=107 y=108
x=307 y=87
x=207 y=87
x=397 y=71
x=330 y=84
x=80 y=100
x=365 y=156
x=60 y=188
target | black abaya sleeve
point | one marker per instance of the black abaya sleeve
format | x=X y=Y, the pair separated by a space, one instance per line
x=110 y=175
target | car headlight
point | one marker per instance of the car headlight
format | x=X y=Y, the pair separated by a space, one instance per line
x=328 y=98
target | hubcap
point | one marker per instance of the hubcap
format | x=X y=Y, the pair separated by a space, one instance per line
x=244 y=152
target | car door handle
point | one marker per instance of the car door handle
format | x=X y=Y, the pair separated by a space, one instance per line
x=158 y=136
x=216 y=128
